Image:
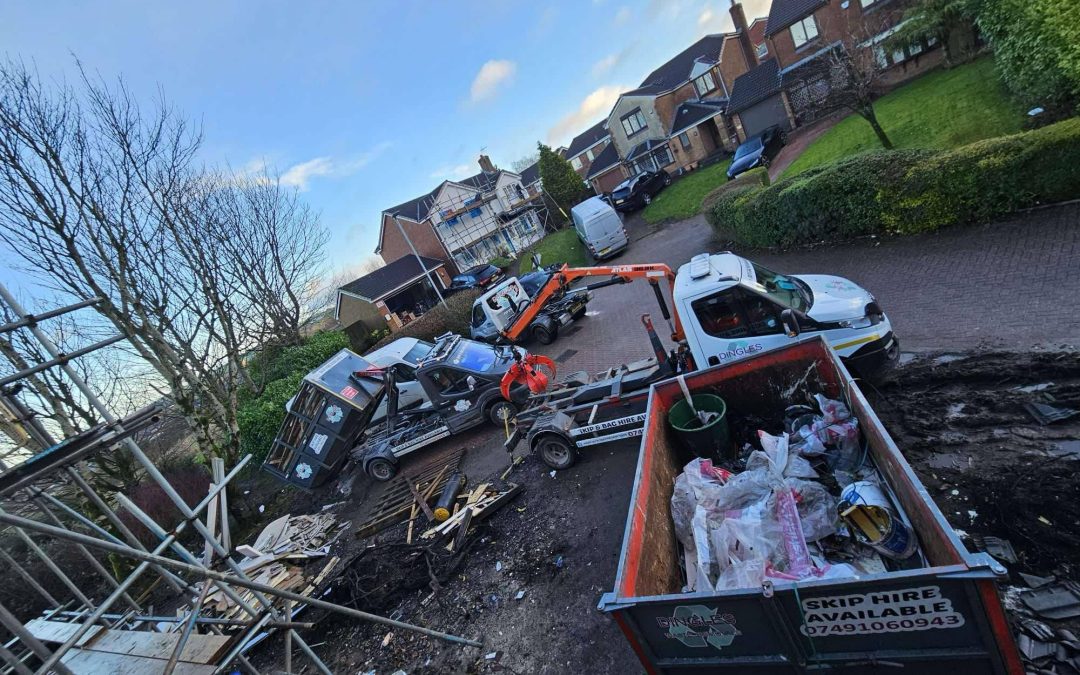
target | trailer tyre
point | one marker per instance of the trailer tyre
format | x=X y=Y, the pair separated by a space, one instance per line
x=499 y=411
x=381 y=470
x=544 y=335
x=556 y=451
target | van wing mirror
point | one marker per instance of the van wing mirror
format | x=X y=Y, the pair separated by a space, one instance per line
x=790 y=322
x=536 y=261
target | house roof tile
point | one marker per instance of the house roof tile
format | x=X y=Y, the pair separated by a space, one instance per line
x=588 y=138
x=378 y=284
x=690 y=113
x=676 y=70
x=755 y=85
x=607 y=158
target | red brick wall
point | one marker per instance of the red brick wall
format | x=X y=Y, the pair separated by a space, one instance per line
x=732 y=62
x=851 y=26
x=422 y=236
x=586 y=162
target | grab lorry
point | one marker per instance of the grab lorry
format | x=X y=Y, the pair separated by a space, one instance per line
x=727 y=308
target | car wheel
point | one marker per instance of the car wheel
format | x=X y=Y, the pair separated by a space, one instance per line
x=556 y=451
x=667 y=180
x=647 y=199
x=765 y=162
x=545 y=336
x=381 y=469
x=500 y=411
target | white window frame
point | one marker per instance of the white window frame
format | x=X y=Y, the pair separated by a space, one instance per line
x=576 y=163
x=804 y=31
x=762 y=50
x=700 y=81
x=635 y=116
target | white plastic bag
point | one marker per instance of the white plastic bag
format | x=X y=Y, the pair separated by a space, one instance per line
x=782 y=461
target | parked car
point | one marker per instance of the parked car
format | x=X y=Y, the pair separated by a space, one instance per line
x=638 y=192
x=757 y=151
x=599 y=227
x=480 y=276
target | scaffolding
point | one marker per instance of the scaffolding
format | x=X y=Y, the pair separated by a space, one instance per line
x=477 y=220
x=63 y=639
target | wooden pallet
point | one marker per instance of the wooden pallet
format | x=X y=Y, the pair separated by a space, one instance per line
x=396 y=501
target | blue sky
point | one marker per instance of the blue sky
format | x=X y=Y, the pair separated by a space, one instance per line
x=364 y=105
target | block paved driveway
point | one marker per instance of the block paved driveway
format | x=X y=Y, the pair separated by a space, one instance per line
x=1013 y=285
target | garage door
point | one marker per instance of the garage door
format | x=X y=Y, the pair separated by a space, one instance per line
x=761 y=116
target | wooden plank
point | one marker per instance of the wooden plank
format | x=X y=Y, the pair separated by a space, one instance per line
x=218 y=466
x=421 y=501
x=86 y=662
x=199 y=648
x=466 y=521
x=211 y=527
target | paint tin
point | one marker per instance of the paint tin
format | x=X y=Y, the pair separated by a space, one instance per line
x=870 y=515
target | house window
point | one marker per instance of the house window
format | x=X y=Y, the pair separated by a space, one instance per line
x=704 y=84
x=663 y=156
x=684 y=138
x=589 y=155
x=803 y=31
x=762 y=50
x=633 y=122
x=576 y=163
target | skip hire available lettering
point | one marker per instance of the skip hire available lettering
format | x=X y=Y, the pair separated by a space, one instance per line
x=880 y=612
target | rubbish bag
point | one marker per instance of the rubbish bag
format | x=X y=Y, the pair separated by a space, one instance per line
x=781 y=460
x=817 y=508
x=743 y=544
x=833 y=411
x=705 y=559
x=699 y=483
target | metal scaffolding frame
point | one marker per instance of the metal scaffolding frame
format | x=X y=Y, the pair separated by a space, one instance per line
x=172 y=563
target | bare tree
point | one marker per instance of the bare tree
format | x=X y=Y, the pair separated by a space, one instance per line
x=99 y=199
x=525 y=162
x=838 y=81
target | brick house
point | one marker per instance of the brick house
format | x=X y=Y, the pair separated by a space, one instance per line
x=393 y=295
x=799 y=33
x=466 y=222
x=586 y=146
x=676 y=118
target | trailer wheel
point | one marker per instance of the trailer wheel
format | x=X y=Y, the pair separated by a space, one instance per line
x=381 y=469
x=499 y=411
x=556 y=451
x=578 y=315
x=545 y=336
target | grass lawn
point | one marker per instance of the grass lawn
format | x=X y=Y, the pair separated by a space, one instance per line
x=941 y=110
x=562 y=246
x=682 y=198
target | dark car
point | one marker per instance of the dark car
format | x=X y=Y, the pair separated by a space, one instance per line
x=480 y=276
x=757 y=151
x=638 y=192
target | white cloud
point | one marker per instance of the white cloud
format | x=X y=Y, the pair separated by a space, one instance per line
x=712 y=22
x=301 y=174
x=595 y=106
x=454 y=172
x=601 y=67
x=492 y=76
x=298 y=175
x=623 y=16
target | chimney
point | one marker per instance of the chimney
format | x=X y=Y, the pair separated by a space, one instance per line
x=739 y=18
x=485 y=164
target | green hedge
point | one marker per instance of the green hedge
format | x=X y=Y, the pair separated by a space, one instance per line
x=906 y=191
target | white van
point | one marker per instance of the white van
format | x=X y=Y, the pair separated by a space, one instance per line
x=599 y=227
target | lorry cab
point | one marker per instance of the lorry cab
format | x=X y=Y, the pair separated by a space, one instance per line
x=402 y=356
x=599 y=227
x=733 y=307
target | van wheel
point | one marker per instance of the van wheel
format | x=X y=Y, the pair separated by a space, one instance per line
x=381 y=469
x=556 y=451
x=499 y=411
x=667 y=179
x=578 y=315
x=647 y=199
x=545 y=336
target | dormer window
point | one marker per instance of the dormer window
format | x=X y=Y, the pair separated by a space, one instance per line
x=704 y=84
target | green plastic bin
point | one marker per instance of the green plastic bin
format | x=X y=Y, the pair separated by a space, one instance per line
x=711 y=441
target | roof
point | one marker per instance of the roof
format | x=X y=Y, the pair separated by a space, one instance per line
x=757 y=30
x=691 y=113
x=642 y=148
x=588 y=138
x=531 y=173
x=608 y=158
x=783 y=13
x=757 y=84
x=677 y=69
x=388 y=278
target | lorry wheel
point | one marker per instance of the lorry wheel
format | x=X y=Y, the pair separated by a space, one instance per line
x=557 y=452
x=578 y=314
x=545 y=336
x=499 y=411
x=381 y=470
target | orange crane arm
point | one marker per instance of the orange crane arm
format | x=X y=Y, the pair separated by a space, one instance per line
x=620 y=274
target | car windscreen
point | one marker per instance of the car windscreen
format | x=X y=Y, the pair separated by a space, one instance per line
x=786 y=290
x=461 y=280
x=475 y=356
x=749 y=147
x=532 y=282
x=419 y=351
x=621 y=192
